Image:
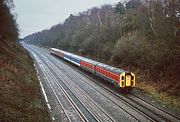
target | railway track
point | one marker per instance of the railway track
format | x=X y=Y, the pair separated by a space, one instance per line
x=140 y=107
x=69 y=107
x=164 y=114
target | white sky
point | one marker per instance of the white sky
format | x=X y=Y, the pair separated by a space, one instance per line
x=36 y=15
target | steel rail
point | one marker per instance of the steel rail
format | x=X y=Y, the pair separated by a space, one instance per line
x=159 y=111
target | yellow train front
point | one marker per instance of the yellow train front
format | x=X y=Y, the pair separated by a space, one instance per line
x=127 y=80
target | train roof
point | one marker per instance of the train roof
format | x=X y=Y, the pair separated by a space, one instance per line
x=110 y=68
x=55 y=49
x=90 y=61
x=77 y=56
x=67 y=53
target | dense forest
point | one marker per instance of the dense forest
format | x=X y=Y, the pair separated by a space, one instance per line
x=137 y=35
x=19 y=88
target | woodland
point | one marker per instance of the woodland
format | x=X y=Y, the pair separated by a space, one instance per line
x=137 y=35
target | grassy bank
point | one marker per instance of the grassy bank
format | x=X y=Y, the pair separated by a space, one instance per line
x=159 y=92
x=21 y=99
x=162 y=97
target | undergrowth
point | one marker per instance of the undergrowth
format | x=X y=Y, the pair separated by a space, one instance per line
x=160 y=95
x=21 y=98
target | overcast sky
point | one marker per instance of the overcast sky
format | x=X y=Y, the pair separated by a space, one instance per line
x=36 y=15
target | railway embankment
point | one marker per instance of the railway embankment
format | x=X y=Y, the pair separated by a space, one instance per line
x=21 y=98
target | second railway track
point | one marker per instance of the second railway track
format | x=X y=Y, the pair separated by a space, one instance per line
x=70 y=109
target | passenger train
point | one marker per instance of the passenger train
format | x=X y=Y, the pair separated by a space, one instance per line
x=121 y=78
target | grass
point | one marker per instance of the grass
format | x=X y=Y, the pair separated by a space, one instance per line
x=21 y=99
x=155 y=91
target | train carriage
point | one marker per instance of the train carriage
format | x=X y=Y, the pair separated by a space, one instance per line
x=76 y=59
x=67 y=56
x=57 y=52
x=108 y=73
x=117 y=76
x=89 y=65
